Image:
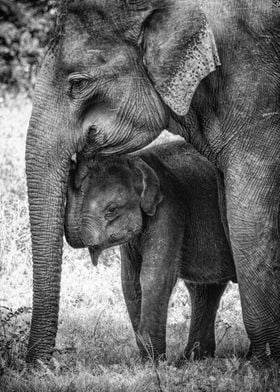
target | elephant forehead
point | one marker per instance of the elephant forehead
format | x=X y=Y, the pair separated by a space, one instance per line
x=89 y=39
x=77 y=45
x=109 y=173
x=101 y=196
x=106 y=182
x=102 y=22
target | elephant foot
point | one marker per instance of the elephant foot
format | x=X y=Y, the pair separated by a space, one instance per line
x=197 y=351
x=149 y=354
x=194 y=352
x=151 y=349
x=275 y=354
x=153 y=359
x=268 y=358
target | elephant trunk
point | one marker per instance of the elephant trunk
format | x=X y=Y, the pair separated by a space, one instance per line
x=47 y=169
x=46 y=200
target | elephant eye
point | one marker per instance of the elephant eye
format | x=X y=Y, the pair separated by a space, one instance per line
x=78 y=84
x=111 y=212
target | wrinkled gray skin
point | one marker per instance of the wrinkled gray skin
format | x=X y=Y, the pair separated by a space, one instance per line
x=116 y=74
x=163 y=204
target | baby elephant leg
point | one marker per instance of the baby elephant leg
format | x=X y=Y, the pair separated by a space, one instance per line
x=130 y=276
x=156 y=288
x=147 y=289
x=205 y=299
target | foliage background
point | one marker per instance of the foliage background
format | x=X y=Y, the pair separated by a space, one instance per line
x=25 y=29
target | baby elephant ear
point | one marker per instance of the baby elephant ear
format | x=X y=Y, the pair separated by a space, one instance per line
x=180 y=52
x=151 y=195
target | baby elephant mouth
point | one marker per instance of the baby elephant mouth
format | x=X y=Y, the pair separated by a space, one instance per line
x=94 y=252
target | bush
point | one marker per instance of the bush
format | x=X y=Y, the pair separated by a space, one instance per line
x=25 y=29
x=14 y=332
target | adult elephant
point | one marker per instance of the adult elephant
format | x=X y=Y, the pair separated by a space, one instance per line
x=115 y=75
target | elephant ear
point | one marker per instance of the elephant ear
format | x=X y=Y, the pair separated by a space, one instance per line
x=151 y=195
x=180 y=51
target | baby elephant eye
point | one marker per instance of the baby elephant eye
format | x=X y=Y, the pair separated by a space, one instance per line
x=111 y=212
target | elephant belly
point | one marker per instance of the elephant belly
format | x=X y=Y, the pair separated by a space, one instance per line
x=203 y=263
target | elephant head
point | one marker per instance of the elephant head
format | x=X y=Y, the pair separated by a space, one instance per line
x=106 y=201
x=113 y=71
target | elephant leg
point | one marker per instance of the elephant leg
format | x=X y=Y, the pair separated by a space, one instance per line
x=205 y=299
x=160 y=246
x=130 y=276
x=252 y=196
x=157 y=285
x=147 y=302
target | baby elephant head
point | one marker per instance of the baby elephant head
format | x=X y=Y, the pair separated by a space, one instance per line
x=106 y=200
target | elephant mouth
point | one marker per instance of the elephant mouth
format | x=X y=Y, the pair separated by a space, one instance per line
x=94 y=252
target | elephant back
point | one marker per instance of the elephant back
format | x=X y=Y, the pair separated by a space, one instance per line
x=186 y=164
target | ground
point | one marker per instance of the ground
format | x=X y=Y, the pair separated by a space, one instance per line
x=95 y=348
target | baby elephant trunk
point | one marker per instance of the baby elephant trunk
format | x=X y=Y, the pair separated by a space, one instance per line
x=73 y=214
x=77 y=231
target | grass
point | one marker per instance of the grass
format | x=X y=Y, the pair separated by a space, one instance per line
x=95 y=349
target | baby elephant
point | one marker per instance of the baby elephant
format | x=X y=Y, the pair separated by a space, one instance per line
x=161 y=205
